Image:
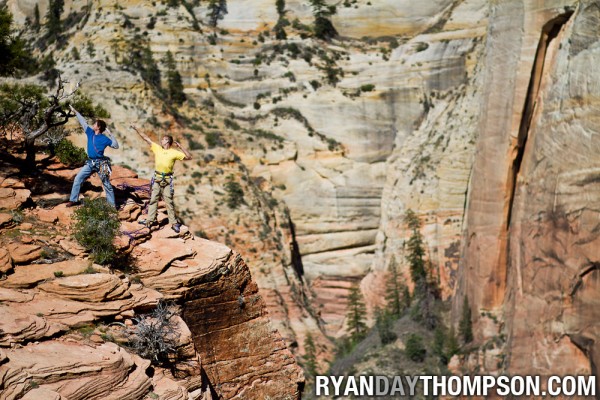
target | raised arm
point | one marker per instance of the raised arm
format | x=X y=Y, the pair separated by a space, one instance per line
x=188 y=155
x=143 y=135
x=80 y=118
x=113 y=141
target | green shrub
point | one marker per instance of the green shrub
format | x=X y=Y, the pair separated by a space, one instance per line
x=415 y=349
x=235 y=193
x=70 y=154
x=367 y=88
x=422 y=46
x=213 y=139
x=231 y=124
x=95 y=228
x=58 y=274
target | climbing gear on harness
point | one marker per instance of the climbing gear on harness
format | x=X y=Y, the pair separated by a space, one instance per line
x=176 y=227
x=163 y=176
x=101 y=166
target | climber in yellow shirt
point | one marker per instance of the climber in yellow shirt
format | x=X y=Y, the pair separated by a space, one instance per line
x=164 y=160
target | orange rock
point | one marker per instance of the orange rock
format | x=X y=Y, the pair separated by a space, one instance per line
x=93 y=288
x=42 y=394
x=13 y=198
x=5 y=261
x=119 y=172
x=26 y=239
x=72 y=247
x=5 y=219
x=75 y=371
x=96 y=339
x=24 y=253
x=50 y=216
x=27 y=276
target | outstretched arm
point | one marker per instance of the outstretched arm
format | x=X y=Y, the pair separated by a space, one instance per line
x=80 y=118
x=143 y=135
x=188 y=155
x=114 y=144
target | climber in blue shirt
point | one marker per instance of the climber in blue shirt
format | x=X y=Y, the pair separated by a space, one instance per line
x=97 y=142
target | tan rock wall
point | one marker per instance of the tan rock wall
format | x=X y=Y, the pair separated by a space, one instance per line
x=530 y=259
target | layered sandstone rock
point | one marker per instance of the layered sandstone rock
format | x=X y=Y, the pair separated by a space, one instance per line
x=529 y=253
x=59 y=319
x=74 y=371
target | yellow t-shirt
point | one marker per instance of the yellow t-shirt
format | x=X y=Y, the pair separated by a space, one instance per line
x=165 y=159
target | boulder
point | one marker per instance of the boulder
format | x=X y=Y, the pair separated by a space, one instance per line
x=6 y=264
x=75 y=371
x=13 y=198
x=24 y=253
x=93 y=288
x=5 y=219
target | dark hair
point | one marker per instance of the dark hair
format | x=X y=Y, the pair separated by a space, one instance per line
x=101 y=125
x=169 y=138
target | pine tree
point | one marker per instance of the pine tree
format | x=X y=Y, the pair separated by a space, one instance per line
x=393 y=294
x=149 y=70
x=310 y=356
x=356 y=315
x=15 y=56
x=216 y=11
x=280 y=5
x=439 y=344
x=36 y=18
x=425 y=292
x=55 y=9
x=406 y=299
x=384 y=323
x=323 y=27
x=174 y=82
x=452 y=346
x=282 y=22
x=465 y=327
x=415 y=250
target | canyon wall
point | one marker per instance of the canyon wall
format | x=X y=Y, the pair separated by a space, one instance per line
x=529 y=258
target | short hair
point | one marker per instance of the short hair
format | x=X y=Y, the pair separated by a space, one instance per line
x=101 y=125
x=169 y=138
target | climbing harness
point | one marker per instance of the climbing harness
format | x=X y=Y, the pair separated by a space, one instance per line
x=101 y=166
x=163 y=176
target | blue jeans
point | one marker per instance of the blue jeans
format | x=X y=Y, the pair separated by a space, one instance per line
x=85 y=173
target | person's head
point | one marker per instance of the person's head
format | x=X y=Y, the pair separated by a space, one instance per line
x=166 y=141
x=99 y=126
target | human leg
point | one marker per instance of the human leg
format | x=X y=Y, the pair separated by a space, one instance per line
x=82 y=175
x=170 y=204
x=153 y=205
x=108 y=189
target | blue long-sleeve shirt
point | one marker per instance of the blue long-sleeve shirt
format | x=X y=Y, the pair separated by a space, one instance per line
x=96 y=144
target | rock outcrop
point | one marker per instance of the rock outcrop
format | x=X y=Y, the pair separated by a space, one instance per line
x=67 y=326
